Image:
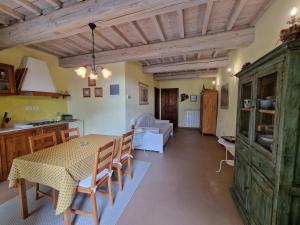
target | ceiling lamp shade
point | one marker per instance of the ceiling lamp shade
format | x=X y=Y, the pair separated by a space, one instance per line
x=106 y=73
x=81 y=71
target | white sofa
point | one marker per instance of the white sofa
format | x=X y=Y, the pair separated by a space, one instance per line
x=151 y=134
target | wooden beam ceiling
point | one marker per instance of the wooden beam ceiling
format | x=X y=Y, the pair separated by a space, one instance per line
x=207 y=15
x=120 y=36
x=224 y=40
x=181 y=22
x=158 y=28
x=186 y=75
x=138 y=32
x=29 y=6
x=55 y=3
x=235 y=13
x=73 y=19
x=188 y=65
x=259 y=14
x=11 y=12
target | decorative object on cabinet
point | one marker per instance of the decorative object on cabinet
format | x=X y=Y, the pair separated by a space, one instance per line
x=184 y=97
x=193 y=98
x=114 y=89
x=98 y=92
x=143 y=94
x=7 y=79
x=225 y=96
x=266 y=185
x=86 y=92
x=91 y=82
x=246 y=65
x=293 y=32
x=5 y=120
x=208 y=111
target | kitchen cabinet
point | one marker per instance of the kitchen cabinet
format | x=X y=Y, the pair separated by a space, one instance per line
x=266 y=187
x=16 y=143
x=7 y=79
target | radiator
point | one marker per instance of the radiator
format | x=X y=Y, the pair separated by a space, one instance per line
x=192 y=118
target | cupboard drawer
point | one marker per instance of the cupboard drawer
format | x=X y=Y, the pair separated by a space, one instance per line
x=263 y=165
x=243 y=149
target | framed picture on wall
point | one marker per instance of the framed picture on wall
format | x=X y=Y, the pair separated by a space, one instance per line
x=91 y=82
x=98 y=92
x=143 y=94
x=114 y=89
x=86 y=92
x=193 y=98
x=225 y=96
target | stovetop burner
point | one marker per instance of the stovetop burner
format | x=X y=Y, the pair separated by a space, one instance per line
x=41 y=123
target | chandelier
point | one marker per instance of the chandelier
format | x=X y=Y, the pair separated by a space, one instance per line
x=81 y=71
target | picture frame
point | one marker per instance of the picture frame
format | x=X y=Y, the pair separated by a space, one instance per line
x=86 y=92
x=114 y=89
x=193 y=98
x=143 y=94
x=91 y=82
x=98 y=91
x=224 y=104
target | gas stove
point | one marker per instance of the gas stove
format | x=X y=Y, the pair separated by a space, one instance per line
x=40 y=123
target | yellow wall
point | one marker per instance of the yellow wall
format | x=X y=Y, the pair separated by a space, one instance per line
x=48 y=107
x=134 y=75
x=189 y=87
x=266 y=38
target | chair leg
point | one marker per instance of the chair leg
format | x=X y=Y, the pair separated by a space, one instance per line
x=94 y=207
x=54 y=198
x=37 y=188
x=110 y=193
x=129 y=169
x=119 y=171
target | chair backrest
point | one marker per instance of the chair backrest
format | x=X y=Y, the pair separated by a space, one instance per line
x=125 y=144
x=103 y=160
x=42 y=141
x=69 y=137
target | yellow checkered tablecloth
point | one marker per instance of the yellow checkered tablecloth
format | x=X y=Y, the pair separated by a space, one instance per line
x=60 y=167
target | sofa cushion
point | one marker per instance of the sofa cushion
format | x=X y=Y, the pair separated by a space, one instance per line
x=145 y=120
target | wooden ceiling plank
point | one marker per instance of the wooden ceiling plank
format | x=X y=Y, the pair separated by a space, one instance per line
x=3 y=22
x=147 y=62
x=105 y=40
x=188 y=65
x=55 y=3
x=138 y=32
x=181 y=23
x=184 y=57
x=64 y=48
x=215 y=53
x=225 y=40
x=239 y=5
x=75 y=45
x=29 y=6
x=51 y=51
x=185 y=75
x=88 y=41
x=11 y=12
x=121 y=36
x=158 y=28
x=198 y=55
x=259 y=14
x=77 y=16
x=207 y=15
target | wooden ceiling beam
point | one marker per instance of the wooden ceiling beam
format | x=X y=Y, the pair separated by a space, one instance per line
x=138 y=32
x=186 y=75
x=55 y=3
x=207 y=15
x=29 y=6
x=46 y=49
x=4 y=22
x=239 y=5
x=158 y=28
x=62 y=48
x=75 y=45
x=215 y=53
x=198 y=55
x=188 y=65
x=120 y=36
x=259 y=14
x=88 y=41
x=105 y=40
x=181 y=23
x=11 y=12
x=73 y=19
x=225 y=40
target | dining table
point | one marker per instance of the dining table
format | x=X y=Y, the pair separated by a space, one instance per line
x=60 y=167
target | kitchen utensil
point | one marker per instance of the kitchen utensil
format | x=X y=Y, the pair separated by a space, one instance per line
x=67 y=117
x=265 y=103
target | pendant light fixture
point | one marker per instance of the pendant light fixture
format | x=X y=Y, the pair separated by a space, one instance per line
x=81 y=71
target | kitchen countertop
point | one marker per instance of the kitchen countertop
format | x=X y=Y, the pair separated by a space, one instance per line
x=13 y=129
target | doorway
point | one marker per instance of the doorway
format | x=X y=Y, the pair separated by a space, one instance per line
x=156 y=103
x=169 y=105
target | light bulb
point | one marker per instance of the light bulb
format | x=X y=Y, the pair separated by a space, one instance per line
x=106 y=73
x=213 y=82
x=294 y=11
x=81 y=71
x=93 y=75
x=229 y=69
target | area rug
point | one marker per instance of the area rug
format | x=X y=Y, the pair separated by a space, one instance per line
x=42 y=213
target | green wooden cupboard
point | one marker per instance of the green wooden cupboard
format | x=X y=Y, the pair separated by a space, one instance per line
x=266 y=186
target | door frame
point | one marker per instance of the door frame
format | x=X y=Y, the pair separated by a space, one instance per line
x=157 y=96
x=177 y=103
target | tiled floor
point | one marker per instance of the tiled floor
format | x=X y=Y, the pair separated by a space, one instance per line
x=181 y=187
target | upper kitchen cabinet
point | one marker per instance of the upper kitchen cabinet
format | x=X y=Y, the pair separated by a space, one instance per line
x=7 y=80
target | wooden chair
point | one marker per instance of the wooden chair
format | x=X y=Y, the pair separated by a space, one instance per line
x=63 y=134
x=124 y=156
x=37 y=143
x=102 y=172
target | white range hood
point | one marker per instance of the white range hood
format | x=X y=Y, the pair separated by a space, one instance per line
x=38 y=78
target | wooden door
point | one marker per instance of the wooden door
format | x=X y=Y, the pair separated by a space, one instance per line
x=156 y=103
x=209 y=109
x=169 y=105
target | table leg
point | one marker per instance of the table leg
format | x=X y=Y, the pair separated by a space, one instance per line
x=23 y=198
x=67 y=217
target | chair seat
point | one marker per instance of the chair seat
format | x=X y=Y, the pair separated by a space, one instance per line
x=116 y=160
x=87 y=182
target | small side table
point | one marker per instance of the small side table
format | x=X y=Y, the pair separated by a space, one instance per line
x=229 y=147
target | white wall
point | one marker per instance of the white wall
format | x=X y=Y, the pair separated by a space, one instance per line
x=266 y=38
